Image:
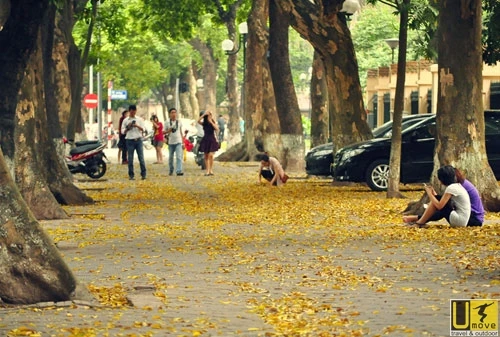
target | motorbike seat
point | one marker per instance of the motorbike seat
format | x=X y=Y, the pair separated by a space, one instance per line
x=86 y=142
x=84 y=148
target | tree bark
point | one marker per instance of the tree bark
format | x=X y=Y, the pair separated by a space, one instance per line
x=320 y=23
x=320 y=132
x=262 y=125
x=76 y=61
x=57 y=104
x=292 y=134
x=194 y=98
x=395 y=156
x=209 y=72
x=30 y=128
x=460 y=117
x=57 y=93
x=31 y=269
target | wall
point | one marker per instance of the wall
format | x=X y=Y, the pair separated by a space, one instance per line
x=420 y=86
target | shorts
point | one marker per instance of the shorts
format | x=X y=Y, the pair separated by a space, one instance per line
x=158 y=143
x=268 y=175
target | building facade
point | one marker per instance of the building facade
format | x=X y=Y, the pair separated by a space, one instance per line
x=421 y=90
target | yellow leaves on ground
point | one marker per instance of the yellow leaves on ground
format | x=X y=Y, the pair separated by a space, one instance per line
x=296 y=314
x=23 y=331
x=281 y=253
x=115 y=296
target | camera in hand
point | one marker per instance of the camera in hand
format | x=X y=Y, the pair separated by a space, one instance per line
x=131 y=125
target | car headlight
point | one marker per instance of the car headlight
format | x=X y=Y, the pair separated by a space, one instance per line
x=322 y=153
x=351 y=153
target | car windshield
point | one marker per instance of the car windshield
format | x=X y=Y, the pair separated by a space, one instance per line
x=385 y=130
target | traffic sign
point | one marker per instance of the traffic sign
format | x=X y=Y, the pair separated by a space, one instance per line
x=118 y=94
x=90 y=101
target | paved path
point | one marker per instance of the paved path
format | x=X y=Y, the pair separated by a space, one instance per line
x=215 y=256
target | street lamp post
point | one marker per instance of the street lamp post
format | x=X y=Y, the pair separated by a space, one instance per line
x=229 y=47
x=393 y=44
x=349 y=7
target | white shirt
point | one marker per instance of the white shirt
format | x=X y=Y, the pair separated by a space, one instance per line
x=460 y=216
x=174 y=137
x=134 y=132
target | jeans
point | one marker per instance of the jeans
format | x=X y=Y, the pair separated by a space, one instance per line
x=135 y=145
x=220 y=136
x=179 y=156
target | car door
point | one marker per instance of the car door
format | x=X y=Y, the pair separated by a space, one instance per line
x=492 y=137
x=417 y=152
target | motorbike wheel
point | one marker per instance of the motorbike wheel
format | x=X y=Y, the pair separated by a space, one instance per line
x=98 y=170
x=203 y=166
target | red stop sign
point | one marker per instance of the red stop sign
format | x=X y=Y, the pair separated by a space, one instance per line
x=90 y=101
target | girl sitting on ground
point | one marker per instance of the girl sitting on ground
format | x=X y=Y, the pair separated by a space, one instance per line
x=454 y=205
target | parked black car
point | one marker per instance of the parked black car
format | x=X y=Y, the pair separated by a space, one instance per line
x=319 y=160
x=368 y=161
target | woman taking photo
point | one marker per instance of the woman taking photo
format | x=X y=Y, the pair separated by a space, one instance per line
x=158 y=138
x=208 y=144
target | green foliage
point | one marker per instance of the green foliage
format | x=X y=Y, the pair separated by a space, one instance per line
x=301 y=58
x=306 y=125
x=424 y=20
x=112 y=19
x=491 y=32
x=374 y=25
x=173 y=18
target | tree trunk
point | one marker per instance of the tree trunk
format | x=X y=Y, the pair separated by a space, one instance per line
x=395 y=156
x=228 y=16
x=319 y=23
x=57 y=103
x=57 y=94
x=194 y=97
x=292 y=134
x=31 y=268
x=76 y=61
x=319 y=103
x=209 y=74
x=460 y=131
x=261 y=123
x=30 y=128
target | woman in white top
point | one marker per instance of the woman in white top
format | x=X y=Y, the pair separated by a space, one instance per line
x=271 y=170
x=454 y=205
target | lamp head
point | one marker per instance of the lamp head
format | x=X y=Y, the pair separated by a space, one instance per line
x=243 y=28
x=349 y=7
x=392 y=43
x=227 y=45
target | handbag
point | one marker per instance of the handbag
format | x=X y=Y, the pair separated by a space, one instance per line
x=285 y=177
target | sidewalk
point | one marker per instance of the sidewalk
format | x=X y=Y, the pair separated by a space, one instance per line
x=222 y=256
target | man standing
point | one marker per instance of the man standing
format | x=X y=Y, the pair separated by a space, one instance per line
x=122 y=146
x=222 y=127
x=175 y=141
x=133 y=127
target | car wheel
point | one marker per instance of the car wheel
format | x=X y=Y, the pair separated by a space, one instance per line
x=377 y=175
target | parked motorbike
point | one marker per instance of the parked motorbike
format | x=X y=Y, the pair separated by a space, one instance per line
x=199 y=156
x=147 y=139
x=87 y=157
